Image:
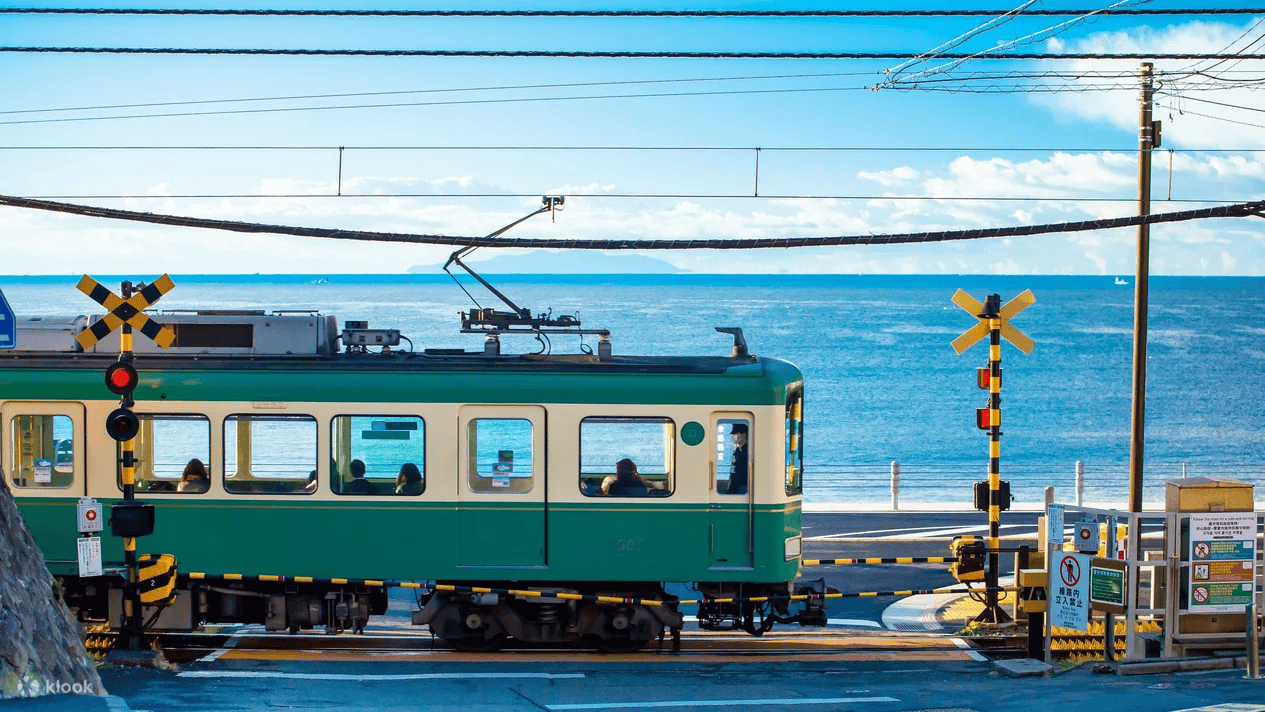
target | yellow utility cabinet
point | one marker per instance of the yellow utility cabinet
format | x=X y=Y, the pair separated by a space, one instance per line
x=1204 y=494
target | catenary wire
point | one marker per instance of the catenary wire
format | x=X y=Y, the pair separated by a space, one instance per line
x=808 y=149
x=609 y=54
x=626 y=196
x=966 y=12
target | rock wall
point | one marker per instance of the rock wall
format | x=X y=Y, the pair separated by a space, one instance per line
x=41 y=644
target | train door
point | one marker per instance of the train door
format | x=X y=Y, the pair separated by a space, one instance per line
x=501 y=486
x=43 y=462
x=44 y=448
x=730 y=503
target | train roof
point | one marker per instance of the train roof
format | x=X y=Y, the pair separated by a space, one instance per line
x=252 y=355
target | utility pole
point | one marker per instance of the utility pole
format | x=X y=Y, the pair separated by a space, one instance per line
x=1148 y=139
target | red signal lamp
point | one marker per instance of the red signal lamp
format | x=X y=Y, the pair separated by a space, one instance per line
x=121 y=378
x=984 y=378
x=983 y=418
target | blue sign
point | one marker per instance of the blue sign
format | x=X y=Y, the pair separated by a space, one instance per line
x=8 y=325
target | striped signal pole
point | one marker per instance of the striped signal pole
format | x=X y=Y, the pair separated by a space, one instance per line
x=993 y=321
x=133 y=626
x=992 y=612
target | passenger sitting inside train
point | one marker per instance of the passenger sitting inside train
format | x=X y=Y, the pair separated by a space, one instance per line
x=409 y=481
x=195 y=479
x=358 y=484
x=626 y=482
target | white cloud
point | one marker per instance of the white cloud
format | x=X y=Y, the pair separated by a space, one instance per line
x=901 y=175
x=1177 y=102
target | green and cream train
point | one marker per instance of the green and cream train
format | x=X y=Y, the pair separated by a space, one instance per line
x=361 y=461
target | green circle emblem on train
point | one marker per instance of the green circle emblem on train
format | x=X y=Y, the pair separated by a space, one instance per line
x=692 y=433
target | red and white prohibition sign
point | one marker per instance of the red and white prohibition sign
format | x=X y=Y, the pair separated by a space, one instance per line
x=1070 y=571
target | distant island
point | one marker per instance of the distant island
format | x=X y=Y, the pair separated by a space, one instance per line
x=563 y=262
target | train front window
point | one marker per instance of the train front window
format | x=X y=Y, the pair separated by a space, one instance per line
x=43 y=448
x=388 y=452
x=500 y=455
x=173 y=454
x=627 y=457
x=270 y=454
x=795 y=443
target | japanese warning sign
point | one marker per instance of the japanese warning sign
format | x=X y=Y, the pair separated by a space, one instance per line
x=1222 y=562
x=1069 y=591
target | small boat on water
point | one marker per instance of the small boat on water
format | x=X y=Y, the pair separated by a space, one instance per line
x=1120 y=280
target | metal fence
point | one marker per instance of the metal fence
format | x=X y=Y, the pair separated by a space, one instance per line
x=916 y=485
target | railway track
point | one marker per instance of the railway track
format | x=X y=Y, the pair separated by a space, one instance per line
x=208 y=647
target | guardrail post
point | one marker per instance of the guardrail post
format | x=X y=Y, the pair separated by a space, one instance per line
x=1049 y=496
x=1080 y=483
x=1253 y=644
x=895 y=486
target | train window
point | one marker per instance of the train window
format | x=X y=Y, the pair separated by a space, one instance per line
x=500 y=455
x=270 y=454
x=650 y=445
x=43 y=452
x=387 y=451
x=733 y=455
x=173 y=454
x=795 y=443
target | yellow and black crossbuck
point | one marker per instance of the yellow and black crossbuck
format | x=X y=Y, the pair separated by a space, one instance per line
x=129 y=311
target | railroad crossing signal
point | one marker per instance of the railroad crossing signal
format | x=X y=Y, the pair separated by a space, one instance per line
x=129 y=518
x=126 y=311
x=1005 y=313
x=994 y=494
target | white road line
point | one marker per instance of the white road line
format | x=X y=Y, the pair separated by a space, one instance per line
x=371 y=678
x=720 y=703
x=855 y=623
x=974 y=655
x=846 y=622
x=228 y=645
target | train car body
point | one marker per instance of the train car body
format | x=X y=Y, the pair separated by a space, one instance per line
x=452 y=467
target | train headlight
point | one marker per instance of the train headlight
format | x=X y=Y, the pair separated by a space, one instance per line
x=792 y=548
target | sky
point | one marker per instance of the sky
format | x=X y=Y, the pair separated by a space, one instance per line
x=641 y=148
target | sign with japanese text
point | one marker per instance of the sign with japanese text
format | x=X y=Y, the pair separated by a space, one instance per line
x=1054 y=525
x=1222 y=562
x=89 y=556
x=1107 y=579
x=1069 y=591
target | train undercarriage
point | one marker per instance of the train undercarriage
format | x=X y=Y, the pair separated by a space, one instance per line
x=612 y=617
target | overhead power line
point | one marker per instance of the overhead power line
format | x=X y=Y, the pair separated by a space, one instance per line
x=614 y=54
x=627 y=196
x=684 y=148
x=449 y=90
x=1238 y=210
x=619 y=13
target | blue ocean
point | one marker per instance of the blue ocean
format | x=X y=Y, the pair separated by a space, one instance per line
x=883 y=384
